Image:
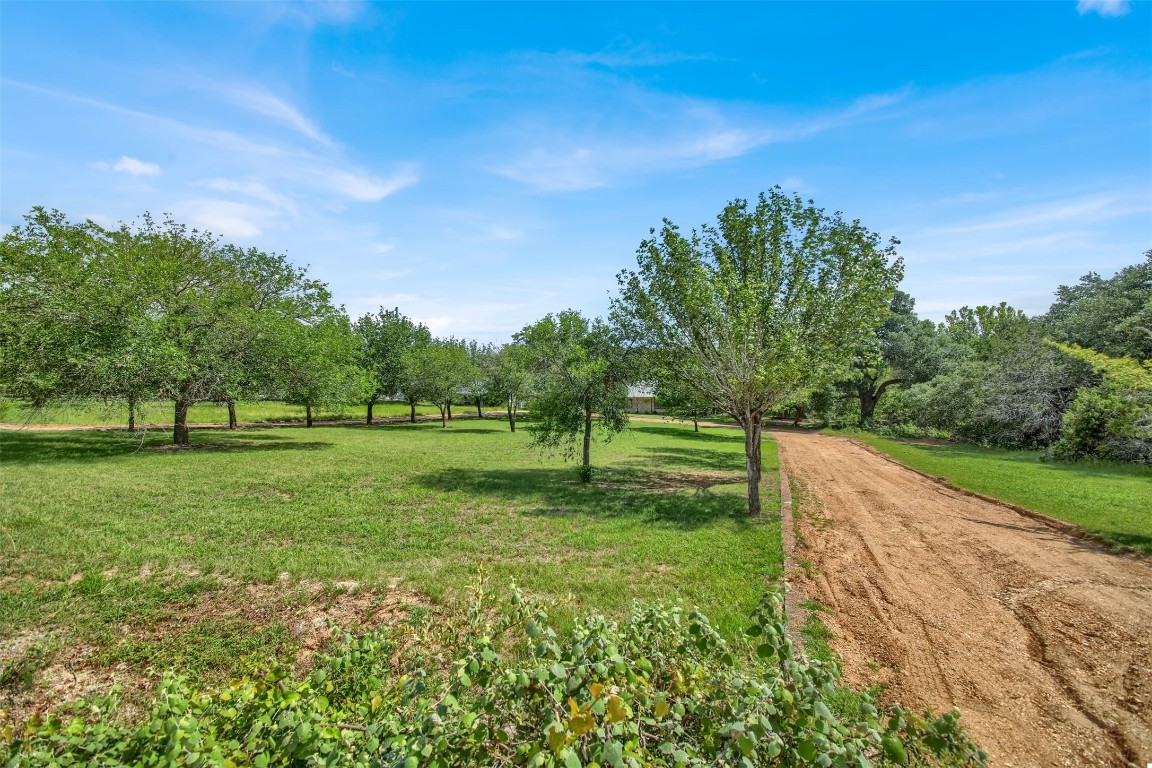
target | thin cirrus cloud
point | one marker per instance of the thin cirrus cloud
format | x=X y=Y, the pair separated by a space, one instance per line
x=1066 y=230
x=254 y=189
x=226 y=218
x=262 y=102
x=1106 y=8
x=129 y=165
x=282 y=176
x=363 y=187
x=709 y=132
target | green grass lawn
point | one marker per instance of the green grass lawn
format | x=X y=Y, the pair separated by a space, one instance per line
x=160 y=412
x=84 y=514
x=1113 y=501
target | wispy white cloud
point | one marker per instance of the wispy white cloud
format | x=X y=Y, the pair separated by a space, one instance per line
x=976 y=259
x=304 y=174
x=674 y=134
x=363 y=187
x=129 y=165
x=1079 y=211
x=226 y=218
x=250 y=188
x=293 y=12
x=624 y=53
x=313 y=13
x=1107 y=8
x=262 y=102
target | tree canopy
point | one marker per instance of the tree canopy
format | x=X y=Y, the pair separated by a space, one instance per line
x=581 y=377
x=767 y=305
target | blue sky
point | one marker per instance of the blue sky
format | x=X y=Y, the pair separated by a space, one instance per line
x=480 y=165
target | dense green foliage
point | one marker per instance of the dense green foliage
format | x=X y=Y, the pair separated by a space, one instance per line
x=151 y=311
x=1111 y=500
x=580 y=372
x=656 y=689
x=385 y=337
x=990 y=375
x=760 y=310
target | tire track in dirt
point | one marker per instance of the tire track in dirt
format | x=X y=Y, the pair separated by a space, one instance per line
x=1043 y=640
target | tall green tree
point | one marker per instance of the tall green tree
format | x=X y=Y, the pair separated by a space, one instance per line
x=581 y=376
x=482 y=362
x=318 y=364
x=437 y=372
x=769 y=304
x=511 y=379
x=1110 y=315
x=150 y=310
x=905 y=350
x=384 y=337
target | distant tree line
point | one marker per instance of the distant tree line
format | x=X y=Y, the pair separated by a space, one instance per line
x=742 y=318
x=777 y=309
x=1074 y=380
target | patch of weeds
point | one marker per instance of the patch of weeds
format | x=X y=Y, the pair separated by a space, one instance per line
x=210 y=648
x=812 y=605
x=817 y=636
x=418 y=614
x=19 y=673
x=807 y=567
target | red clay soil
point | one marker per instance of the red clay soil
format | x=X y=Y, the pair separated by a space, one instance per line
x=1041 y=639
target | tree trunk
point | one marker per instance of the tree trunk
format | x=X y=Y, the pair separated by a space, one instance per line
x=370 y=404
x=412 y=404
x=512 y=414
x=445 y=414
x=233 y=423
x=799 y=416
x=695 y=425
x=868 y=398
x=449 y=409
x=587 y=435
x=180 y=423
x=479 y=408
x=307 y=415
x=752 y=454
x=131 y=413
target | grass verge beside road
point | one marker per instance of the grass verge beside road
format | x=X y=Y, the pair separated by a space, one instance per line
x=1113 y=501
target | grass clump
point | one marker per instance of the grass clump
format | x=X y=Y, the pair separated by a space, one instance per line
x=506 y=687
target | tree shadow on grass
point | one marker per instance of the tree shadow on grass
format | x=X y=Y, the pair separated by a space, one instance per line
x=679 y=500
x=86 y=446
x=699 y=458
x=728 y=436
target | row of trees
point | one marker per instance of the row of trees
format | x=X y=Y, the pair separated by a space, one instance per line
x=162 y=311
x=753 y=314
x=1073 y=379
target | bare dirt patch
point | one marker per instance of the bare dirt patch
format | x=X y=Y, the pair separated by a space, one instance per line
x=310 y=611
x=1042 y=639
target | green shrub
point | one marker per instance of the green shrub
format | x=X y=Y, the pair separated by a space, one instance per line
x=1097 y=425
x=657 y=689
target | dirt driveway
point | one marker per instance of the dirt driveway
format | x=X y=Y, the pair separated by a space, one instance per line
x=1044 y=641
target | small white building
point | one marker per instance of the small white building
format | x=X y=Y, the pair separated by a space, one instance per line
x=641 y=398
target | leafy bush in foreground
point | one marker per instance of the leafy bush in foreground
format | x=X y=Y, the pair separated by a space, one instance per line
x=658 y=689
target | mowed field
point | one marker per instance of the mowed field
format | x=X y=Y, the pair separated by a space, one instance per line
x=1113 y=501
x=207 y=558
